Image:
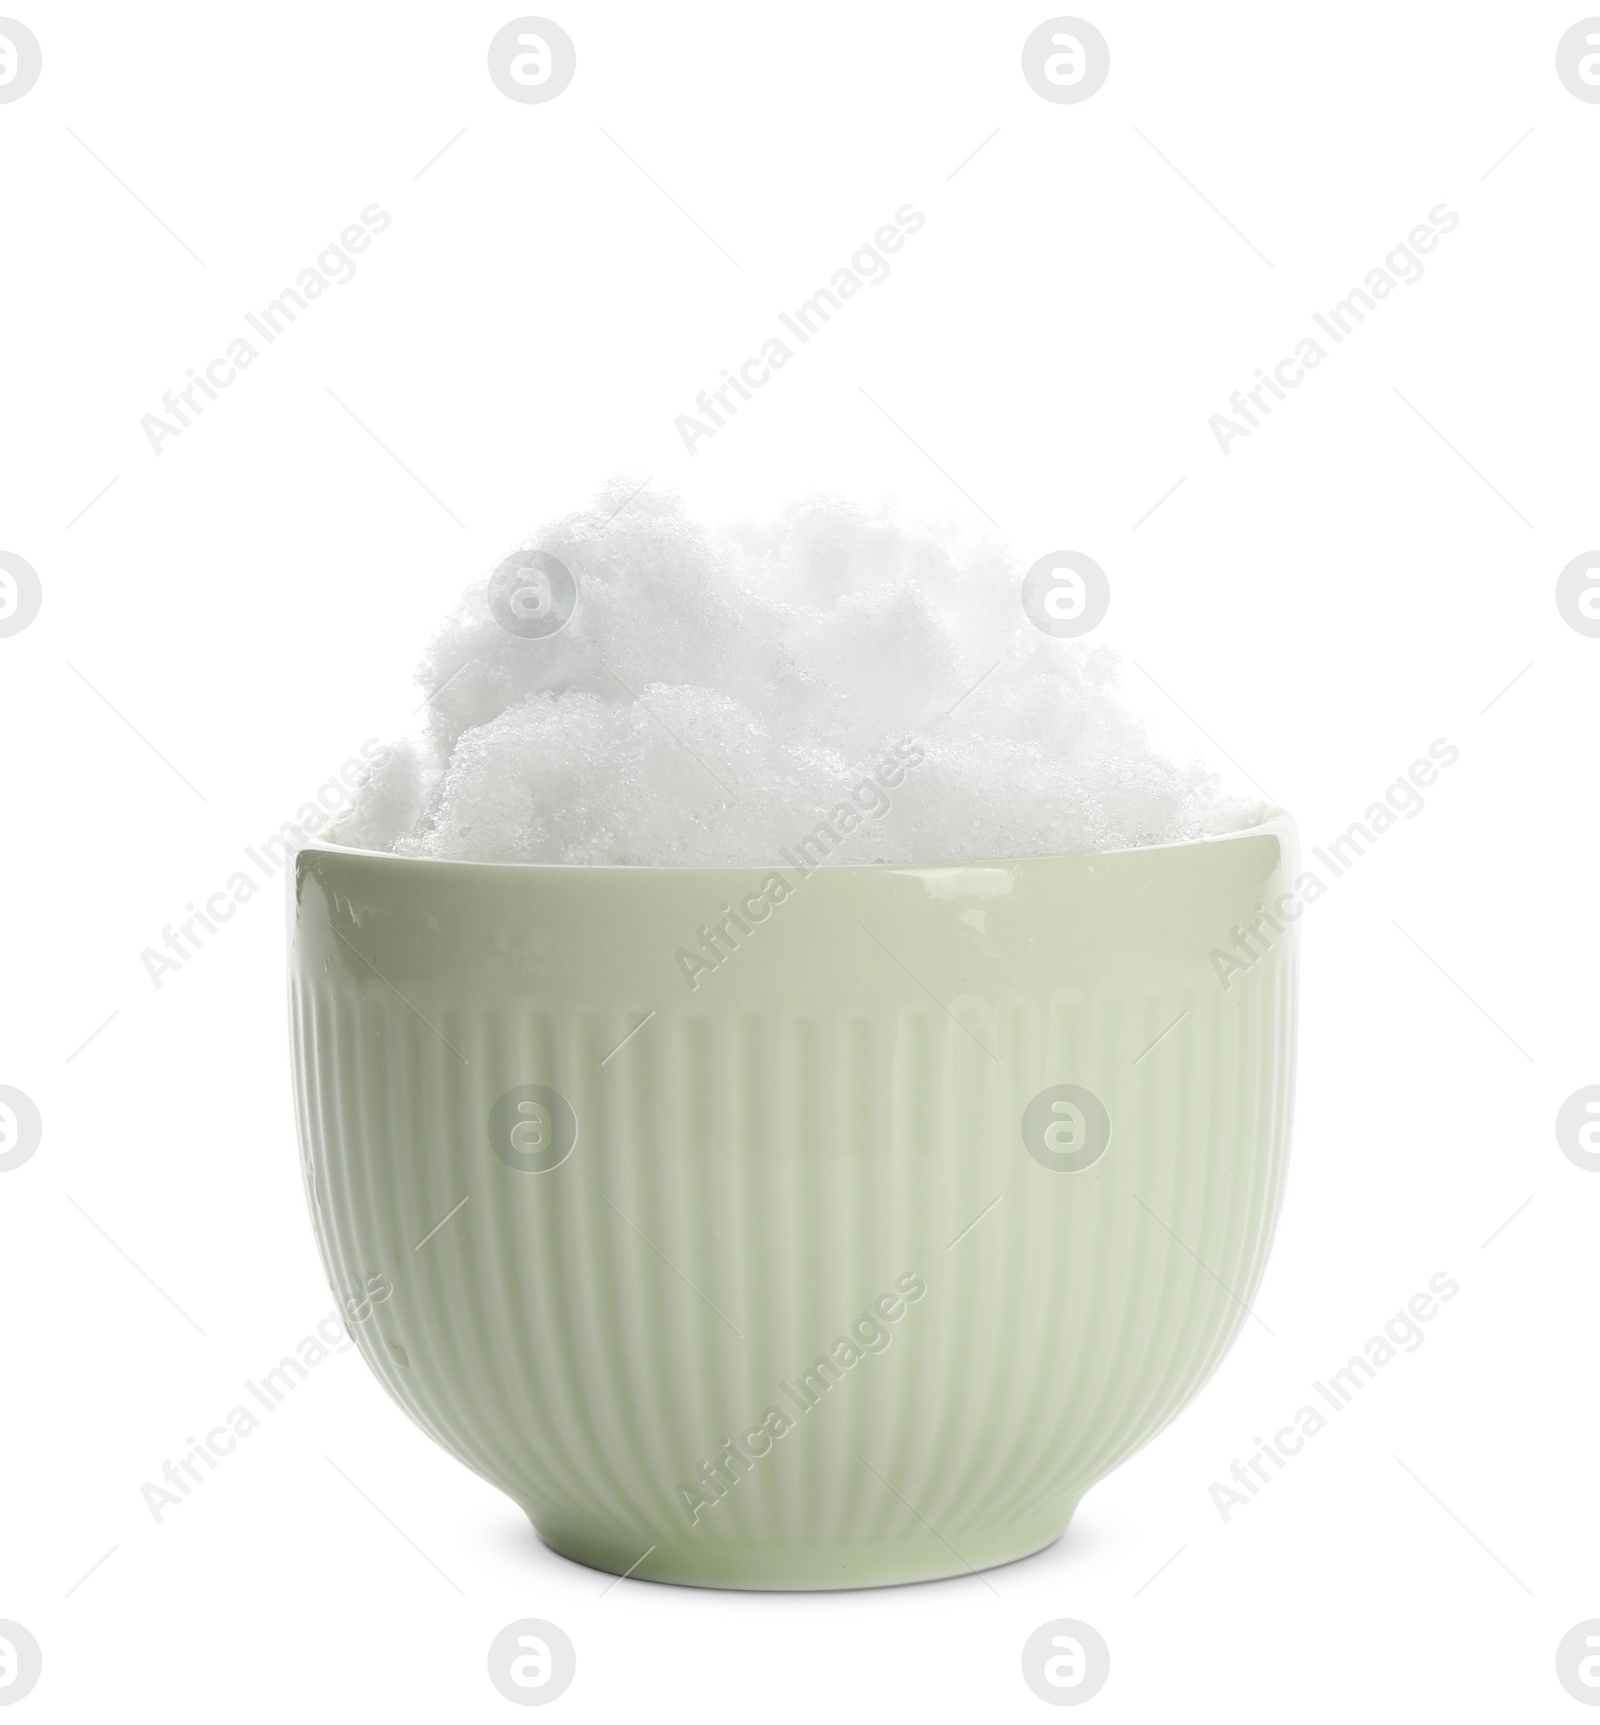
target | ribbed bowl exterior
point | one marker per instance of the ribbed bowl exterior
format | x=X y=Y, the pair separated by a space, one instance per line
x=799 y=1309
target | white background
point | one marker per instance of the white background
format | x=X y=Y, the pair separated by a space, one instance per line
x=1325 y=600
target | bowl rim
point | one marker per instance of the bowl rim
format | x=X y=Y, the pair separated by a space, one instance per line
x=1269 y=819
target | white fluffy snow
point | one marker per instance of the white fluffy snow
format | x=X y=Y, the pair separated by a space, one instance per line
x=714 y=696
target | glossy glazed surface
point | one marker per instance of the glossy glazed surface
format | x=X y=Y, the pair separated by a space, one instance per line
x=771 y=1157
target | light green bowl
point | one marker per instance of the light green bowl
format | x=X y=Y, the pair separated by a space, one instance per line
x=814 y=1299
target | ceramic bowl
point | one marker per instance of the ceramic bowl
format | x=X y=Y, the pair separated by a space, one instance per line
x=779 y=1229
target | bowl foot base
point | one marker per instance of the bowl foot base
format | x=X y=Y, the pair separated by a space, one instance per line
x=691 y=1561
